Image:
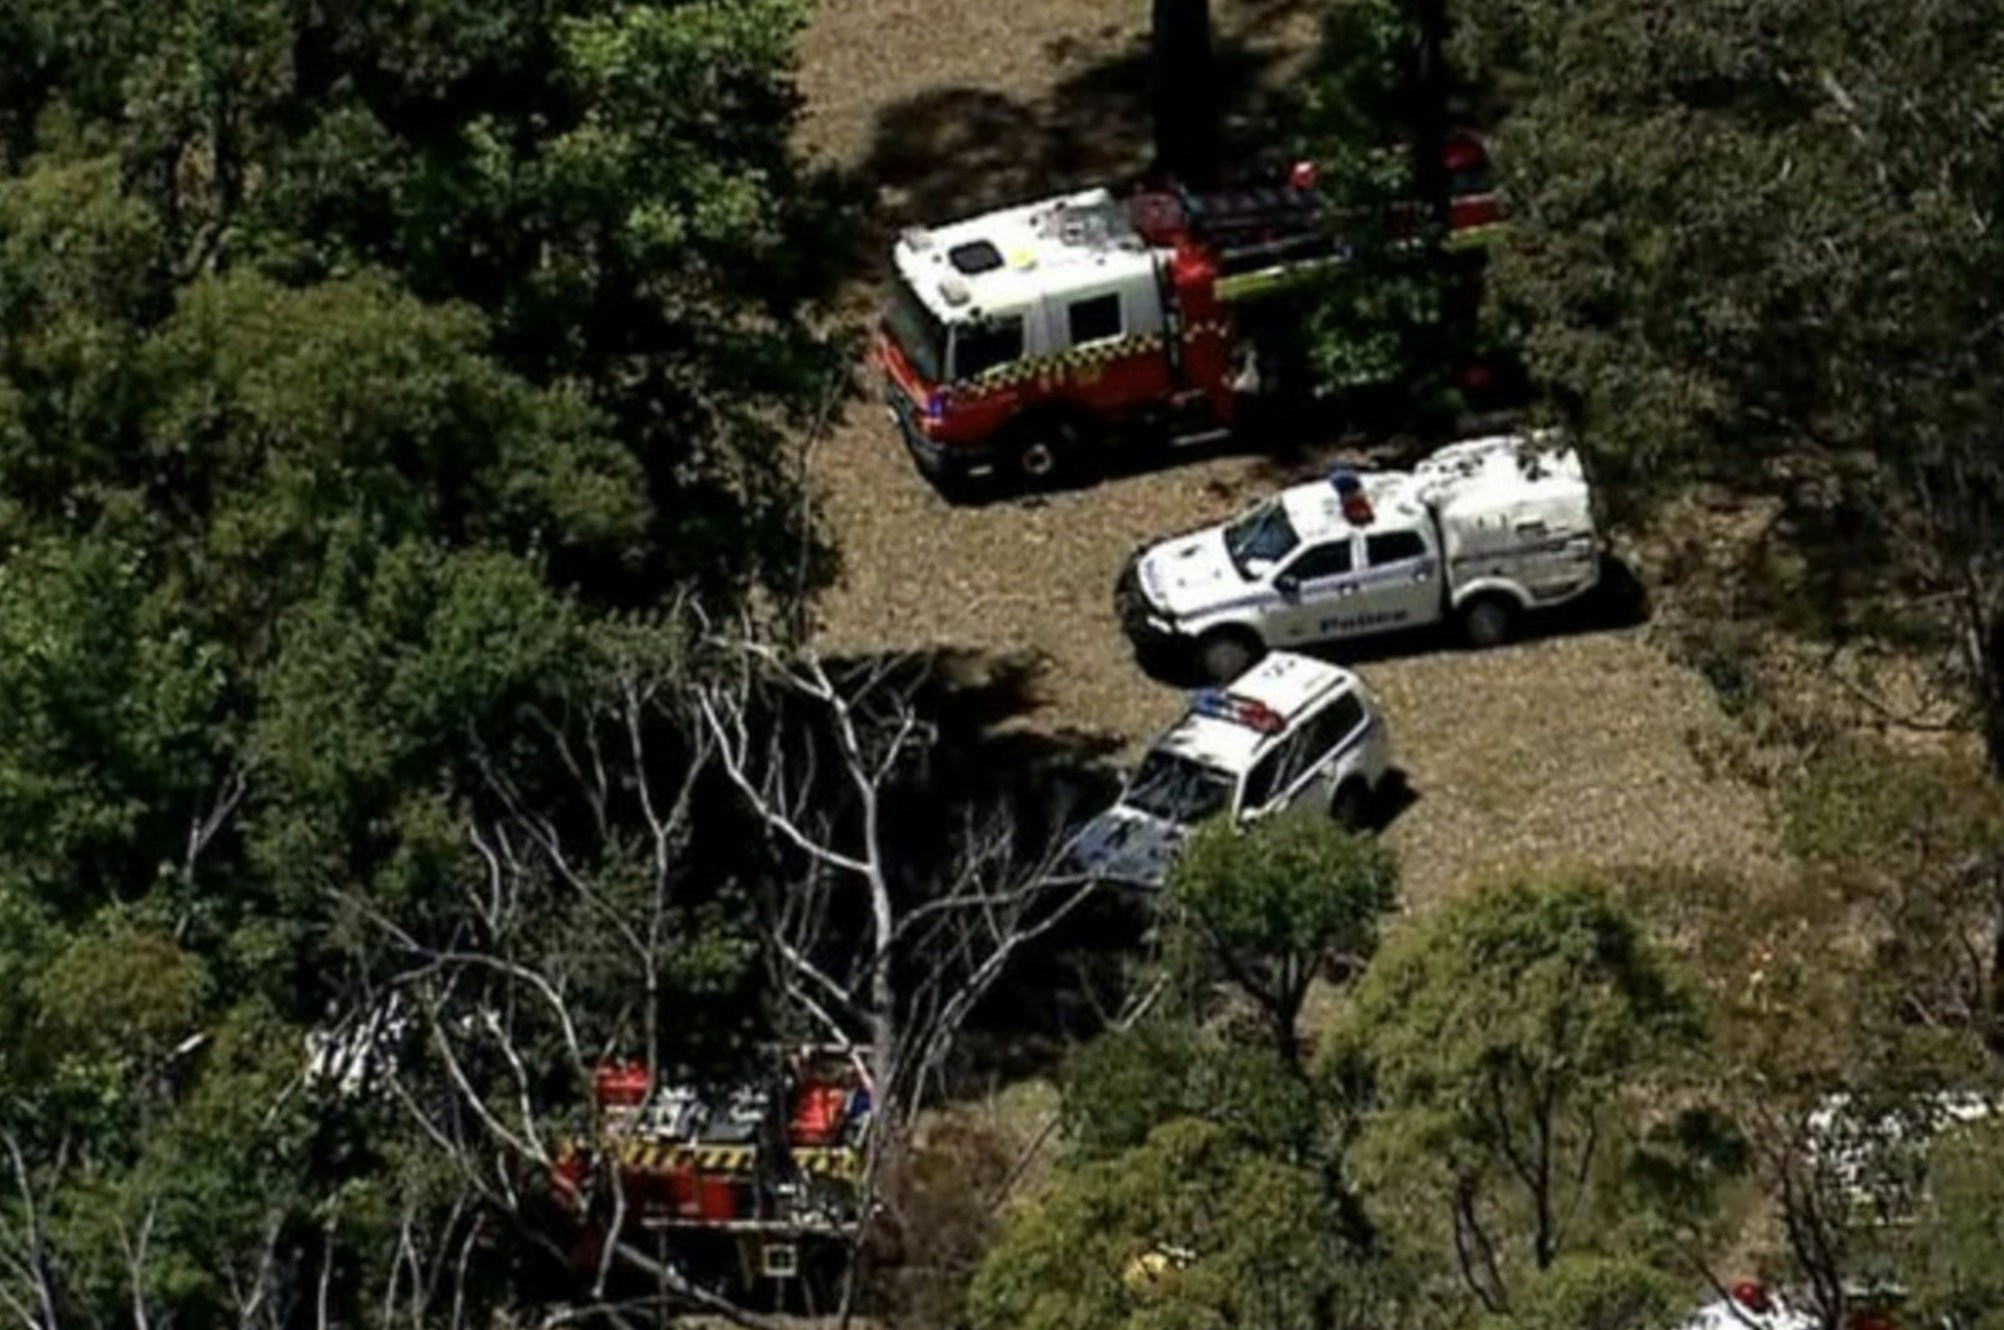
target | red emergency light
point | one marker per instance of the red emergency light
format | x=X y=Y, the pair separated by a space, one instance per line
x=1751 y=1295
x=1357 y=509
x=622 y=1084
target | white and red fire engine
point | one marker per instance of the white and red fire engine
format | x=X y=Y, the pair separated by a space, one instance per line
x=1015 y=337
x=754 y=1182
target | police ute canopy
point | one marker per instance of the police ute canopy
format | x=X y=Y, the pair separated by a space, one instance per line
x=1479 y=533
x=1292 y=732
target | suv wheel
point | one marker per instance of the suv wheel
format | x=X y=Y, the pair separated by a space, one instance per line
x=1488 y=622
x=1351 y=808
x=1226 y=653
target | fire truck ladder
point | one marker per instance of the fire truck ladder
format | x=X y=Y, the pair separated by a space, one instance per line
x=1263 y=239
x=1268 y=239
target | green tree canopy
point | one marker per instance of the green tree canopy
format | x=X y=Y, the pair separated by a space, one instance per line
x=1277 y=903
x=1122 y=1086
x=375 y=383
x=1960 y=1251
x=1509 y=1059
x=1192 y=1229
x=1758 y=233
x=1594 y=1293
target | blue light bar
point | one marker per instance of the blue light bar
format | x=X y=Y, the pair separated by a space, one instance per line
x=1219 y=704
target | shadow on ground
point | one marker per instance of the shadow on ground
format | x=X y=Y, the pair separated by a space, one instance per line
x=1821 y=560
x=1289 y=447
x=977 y=806
x=951 y=152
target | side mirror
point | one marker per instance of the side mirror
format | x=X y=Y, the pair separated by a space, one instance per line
x=1288 y=585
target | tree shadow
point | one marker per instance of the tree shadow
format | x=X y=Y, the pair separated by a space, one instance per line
x=1826 y=564
x=1285 y=449
x=953 y=152
x=977 y=776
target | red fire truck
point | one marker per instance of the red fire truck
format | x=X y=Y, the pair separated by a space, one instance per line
x=757 y=1184
x=1014 y=338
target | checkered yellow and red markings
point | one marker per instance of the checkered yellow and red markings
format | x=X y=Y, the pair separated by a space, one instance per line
x=660 y=1157
x=1083 y=363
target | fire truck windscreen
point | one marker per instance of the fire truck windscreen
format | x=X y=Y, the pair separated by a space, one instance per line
x=918 y=332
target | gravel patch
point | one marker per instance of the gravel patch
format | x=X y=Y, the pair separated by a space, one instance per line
x=1572 y=750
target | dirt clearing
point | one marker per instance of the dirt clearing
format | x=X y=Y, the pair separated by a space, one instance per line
x=1574 y=749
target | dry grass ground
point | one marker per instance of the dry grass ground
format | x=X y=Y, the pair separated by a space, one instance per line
x=1571 y=750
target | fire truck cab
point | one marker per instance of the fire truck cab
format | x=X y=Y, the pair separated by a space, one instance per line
x=1011 y=334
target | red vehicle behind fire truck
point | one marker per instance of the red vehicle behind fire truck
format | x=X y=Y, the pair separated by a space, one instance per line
x=1015 y=338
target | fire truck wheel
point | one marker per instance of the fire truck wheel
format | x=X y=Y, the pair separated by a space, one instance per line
x=1488 y=622
x=957 y=487
x=1226 y=653
x=1044 y=452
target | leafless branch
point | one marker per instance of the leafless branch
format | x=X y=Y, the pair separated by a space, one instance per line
x=204 y=829
x=33 y=1261
x=134 y=1248
x=1474 y=1250
x=251 y=1295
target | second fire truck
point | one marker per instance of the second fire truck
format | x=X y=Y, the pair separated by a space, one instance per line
x=1018 y=339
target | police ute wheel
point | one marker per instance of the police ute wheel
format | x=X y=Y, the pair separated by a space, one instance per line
x=1226 y=654
x=1488 y=622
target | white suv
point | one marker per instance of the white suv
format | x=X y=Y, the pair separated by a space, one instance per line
x=1291 y=731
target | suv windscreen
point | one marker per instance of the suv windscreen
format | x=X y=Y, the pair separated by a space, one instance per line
x=917 y=331
x=1178 y=789
x=1263 y=533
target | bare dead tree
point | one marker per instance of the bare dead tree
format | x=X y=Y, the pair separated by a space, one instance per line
x=488 y=1007
x=27 y=1281
x=968 y=917
x=1809 y=1199
x=463 y=1029
x=990 y=899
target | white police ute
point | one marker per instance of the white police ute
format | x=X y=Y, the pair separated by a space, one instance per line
x=1479 y=533
x=1291 y=731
